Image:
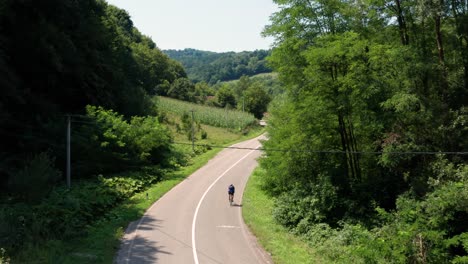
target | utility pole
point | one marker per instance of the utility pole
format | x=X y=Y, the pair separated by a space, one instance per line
x=68 y=152
x=193 y=133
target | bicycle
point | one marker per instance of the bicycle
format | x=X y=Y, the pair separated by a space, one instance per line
x=231 y=190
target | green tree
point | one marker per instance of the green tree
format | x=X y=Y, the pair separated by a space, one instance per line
x=202 y=91
x=182 y=89
x=356 y=82
x=226 y=97
x=256 y=100
x=241 y=86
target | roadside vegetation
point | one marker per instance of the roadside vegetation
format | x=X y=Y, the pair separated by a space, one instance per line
x=353 y=242
x=366 y=153
x=257 y=209
x=66 y=226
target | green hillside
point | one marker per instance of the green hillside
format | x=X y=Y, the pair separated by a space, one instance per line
x=212 y=67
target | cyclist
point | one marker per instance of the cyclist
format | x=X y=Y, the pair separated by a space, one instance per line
x=231 y=190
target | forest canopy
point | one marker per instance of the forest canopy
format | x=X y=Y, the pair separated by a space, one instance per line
x=213 y=67
x=57 y=57
x=374 y=90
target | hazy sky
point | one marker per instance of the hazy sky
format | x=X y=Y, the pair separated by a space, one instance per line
x=211 y=25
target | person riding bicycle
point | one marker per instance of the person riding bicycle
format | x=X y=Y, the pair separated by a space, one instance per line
x=231 y=190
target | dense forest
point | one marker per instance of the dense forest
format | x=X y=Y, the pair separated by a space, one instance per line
x=367 y=147
x=81 y=65
x=212 y=67
x=57 y=57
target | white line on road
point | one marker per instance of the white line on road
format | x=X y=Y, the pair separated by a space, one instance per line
x=226 y=226
x=194 y=246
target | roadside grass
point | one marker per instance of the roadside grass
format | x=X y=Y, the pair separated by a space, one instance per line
x=101 y=240
x=284 y=247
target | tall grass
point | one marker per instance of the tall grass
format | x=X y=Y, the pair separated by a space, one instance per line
x=284 y=247
x=212 y=116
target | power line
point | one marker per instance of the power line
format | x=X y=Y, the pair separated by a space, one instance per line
x=333 y=151
x=95 y=122
x=81 y=116
x=85 y=122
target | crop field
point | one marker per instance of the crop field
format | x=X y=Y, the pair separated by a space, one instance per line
x=212 y=116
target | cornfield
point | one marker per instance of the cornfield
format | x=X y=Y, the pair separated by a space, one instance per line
x=212 y=116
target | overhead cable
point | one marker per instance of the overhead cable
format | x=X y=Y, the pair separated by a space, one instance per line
x=333 y=151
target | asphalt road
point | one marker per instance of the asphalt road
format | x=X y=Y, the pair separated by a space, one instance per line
x=194 y=223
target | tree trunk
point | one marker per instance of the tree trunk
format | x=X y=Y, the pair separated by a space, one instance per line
x=355 y=155
x=344 y=147
x=349 y=146
x=440 y=47
x=401 y=24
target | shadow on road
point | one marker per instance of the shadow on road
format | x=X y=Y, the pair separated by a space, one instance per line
x=145 y=251
x=137 y=249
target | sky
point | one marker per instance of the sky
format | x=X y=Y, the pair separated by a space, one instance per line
x=209 y=25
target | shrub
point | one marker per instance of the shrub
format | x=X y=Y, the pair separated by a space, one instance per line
x=302 y=206
x=432 y=229
x=109 y=143
x=204 y=134
x=429 y=229
x=308 y=203
x=66 y=212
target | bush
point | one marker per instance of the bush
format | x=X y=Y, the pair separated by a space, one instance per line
x=307 y=204
x=429 y=229
x=432 y=229
x=294 y=210
x=66 y=212
x=108 y=143
x=204 y=134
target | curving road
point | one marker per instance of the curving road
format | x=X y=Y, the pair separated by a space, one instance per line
x=194 y=223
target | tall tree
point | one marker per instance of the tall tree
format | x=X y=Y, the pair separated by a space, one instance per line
x=356 y=83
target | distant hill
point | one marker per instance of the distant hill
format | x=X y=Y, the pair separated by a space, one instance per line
x=213 y=67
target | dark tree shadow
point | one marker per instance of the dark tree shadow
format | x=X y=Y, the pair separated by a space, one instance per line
x=139 y=250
